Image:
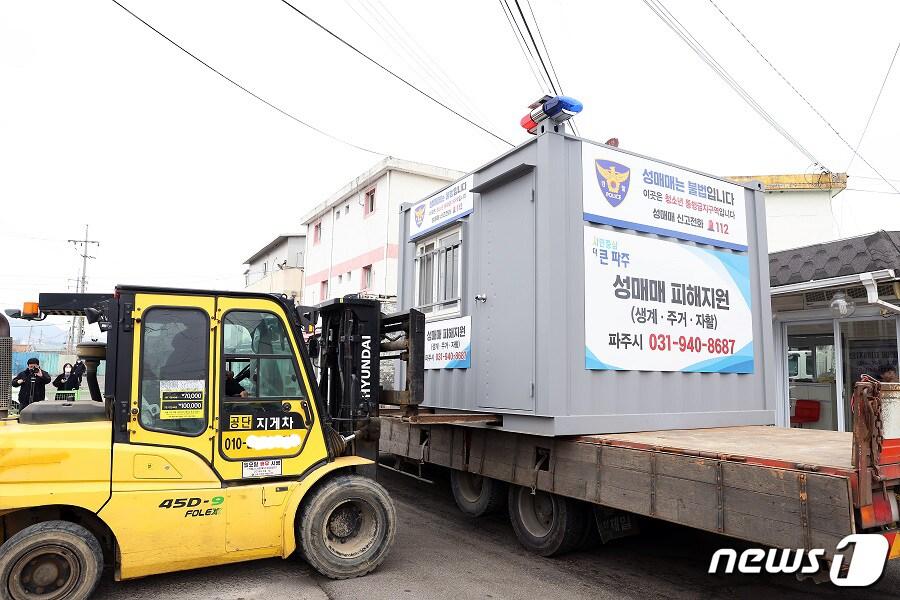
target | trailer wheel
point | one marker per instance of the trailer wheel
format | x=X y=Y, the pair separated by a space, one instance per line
x=54 y=560
x=476 y=495
x=546 y=524
x=347 y=526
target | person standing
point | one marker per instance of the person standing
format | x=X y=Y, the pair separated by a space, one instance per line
x=68 y=382
x=31 y=383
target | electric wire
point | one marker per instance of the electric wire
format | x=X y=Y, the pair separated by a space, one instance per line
x=245 y=89
x=809 y=104
x=537 y=27
x=869 y=120
x=421 y=54
x=675 y=25
x=393 y=74
x=520 y=40
x=534 y=44
x=396 y=44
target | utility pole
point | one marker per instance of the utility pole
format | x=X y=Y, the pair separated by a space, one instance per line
x=82 y=283
x=70 y=336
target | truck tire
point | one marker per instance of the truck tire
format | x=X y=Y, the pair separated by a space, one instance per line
x=546 y=524
x=476 y=495
x=347 y=526
x=53 y=559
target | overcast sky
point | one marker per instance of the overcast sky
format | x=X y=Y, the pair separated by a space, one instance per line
x=182 y=176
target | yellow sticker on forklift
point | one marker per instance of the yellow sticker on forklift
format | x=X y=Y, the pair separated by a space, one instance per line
x=182 y=399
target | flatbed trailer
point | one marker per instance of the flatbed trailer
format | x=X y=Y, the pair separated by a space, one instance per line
x=777 y=487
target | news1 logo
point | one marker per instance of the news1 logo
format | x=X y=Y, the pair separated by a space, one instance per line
x=869 y=555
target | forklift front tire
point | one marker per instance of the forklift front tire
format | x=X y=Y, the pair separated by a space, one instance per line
x=347 y=526
x=53 y=559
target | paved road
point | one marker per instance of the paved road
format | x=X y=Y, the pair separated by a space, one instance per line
x=441 y=554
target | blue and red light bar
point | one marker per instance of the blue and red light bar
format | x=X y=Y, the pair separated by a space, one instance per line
x=555 y=108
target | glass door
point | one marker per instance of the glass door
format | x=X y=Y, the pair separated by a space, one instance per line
x=868 y=347
x=811 y=369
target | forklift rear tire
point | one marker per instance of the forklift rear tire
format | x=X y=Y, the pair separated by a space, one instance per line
x=547 y=524
x=53 y=559
x=476 y=495
x=347 y=526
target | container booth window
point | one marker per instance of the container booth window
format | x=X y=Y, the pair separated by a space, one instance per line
x=437 y=269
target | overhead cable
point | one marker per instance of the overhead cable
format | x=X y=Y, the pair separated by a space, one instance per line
x=393 y=74
x=810 y=105
x=245 y=89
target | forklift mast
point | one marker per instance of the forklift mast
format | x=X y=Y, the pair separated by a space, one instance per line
x=354 y=341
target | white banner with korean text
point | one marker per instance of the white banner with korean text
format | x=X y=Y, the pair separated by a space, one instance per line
x=448 y=343
x=448 y=205
x=658 y=305
x=637 y=193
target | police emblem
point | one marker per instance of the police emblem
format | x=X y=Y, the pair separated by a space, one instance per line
x=614 y=180
x=420 y=214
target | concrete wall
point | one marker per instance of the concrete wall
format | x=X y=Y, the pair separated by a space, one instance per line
x=799 y=218
x=290 y=250
x=288 y=281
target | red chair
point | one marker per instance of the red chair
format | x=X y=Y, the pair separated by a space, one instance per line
x=806 y=411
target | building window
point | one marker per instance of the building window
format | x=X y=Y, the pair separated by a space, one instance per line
x=369 y=202
x=317 y=232
x=366 y=278
x=337 y=214
x=438 y=269
x=347 y=209
x=348 y=275
x=340 y=279
x=323 y=291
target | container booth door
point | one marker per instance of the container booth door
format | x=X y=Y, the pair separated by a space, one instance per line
x=503 y=312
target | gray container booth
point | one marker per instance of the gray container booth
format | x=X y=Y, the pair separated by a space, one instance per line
x=519 y=341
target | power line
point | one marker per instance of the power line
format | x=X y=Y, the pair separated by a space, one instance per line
x=675 y=25
x=537 y=27
x=245 y=89
x=419 y=55
x=520 y=40
x=384 y=68
x=808 y=103
x=533 y=43
x=871 y=191
x=871 y=113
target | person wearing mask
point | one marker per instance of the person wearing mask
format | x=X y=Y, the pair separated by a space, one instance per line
x=66 y=381
x=31 y=383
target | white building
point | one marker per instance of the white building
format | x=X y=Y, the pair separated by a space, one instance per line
x=352 y=245
x=798 y=207
x=277 y=267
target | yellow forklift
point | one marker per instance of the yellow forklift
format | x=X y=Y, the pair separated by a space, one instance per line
x=211 y=442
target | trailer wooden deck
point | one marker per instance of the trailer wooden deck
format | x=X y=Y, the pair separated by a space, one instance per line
x=785 y=488
x=810 y=449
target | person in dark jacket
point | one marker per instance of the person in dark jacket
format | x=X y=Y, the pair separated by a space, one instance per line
x=31 y=383
x=69 y=379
